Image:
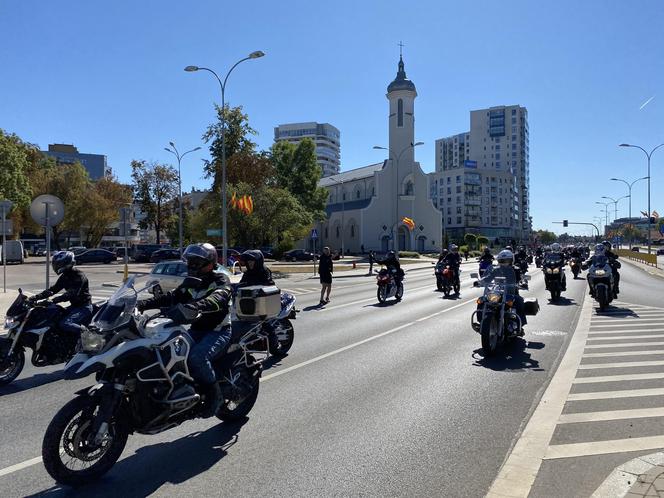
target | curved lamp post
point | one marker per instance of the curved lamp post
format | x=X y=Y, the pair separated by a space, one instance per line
x=224 y=204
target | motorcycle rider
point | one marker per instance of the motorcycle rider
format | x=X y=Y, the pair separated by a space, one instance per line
x=443 y=255
x=521 y=258
x=453 y=258
x=601 y=252
x=391 y=262
x=556 y=254
x=487 y=256
x=205 y=306
x=506 y=269
x=77 y=292
x=257 y=273
x=615 y=264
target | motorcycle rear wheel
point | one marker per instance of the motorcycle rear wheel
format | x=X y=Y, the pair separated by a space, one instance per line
x=68 y=437
x=285 y=335
x=11 y=367
x=489 y=340
x=230 y=411
x=399 y=292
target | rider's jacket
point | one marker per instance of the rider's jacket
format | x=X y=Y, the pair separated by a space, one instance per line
x=76 y=287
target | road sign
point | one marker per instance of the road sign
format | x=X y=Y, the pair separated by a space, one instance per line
x=56 y=210
x=661 y=229
x=314 y=233
x=6 y=227
x=6 y=206
x=124 y=229
x=214 y=232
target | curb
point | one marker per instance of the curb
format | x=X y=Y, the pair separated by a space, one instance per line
x=636 y=476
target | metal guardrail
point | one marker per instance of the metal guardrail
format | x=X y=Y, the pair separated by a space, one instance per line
x=648 y=259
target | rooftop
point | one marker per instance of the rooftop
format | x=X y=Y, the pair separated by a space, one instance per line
x=352 y=174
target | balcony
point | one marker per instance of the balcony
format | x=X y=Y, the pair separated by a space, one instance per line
x=472 y=201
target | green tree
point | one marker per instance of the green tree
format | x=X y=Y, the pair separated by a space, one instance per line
x=482 y=241
x=471 y=240
x=106 y=197
x=14 y=165
x=238 y=140
x=155 y=187
x=545 y=237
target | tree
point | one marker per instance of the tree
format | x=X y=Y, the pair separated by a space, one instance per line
x=471 y=240
x=106 y=197
x=545 y=237
x=255 y=169
x=155 y=187
x=482 y=241
x=298 y=171
x=237 y=140
x=13 y=171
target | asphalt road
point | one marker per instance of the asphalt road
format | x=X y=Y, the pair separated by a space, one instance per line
x=373 y=400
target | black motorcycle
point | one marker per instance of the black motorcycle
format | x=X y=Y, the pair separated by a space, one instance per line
x=554 y=269
x=32 y=325
x=575 y=265
x=144 y=386
x=538 y=261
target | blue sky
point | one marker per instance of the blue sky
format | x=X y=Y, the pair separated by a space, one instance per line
x=107 y=76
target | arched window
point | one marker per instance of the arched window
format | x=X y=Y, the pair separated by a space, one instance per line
x=400 y=113
x=326 y=232
x=337 y=231
x=352 y=231
x=408 y=188
x=357 y=193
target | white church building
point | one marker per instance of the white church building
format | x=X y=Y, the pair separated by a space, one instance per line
x=366 y=205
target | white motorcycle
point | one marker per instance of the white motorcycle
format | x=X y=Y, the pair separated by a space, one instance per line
x=144 y=386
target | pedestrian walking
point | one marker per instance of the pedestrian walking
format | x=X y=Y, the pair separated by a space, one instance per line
x=372 y=258
x=325 y=269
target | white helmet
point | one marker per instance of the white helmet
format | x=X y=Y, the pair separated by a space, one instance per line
x=505 y=258
x=555 y=247
x=600 y=250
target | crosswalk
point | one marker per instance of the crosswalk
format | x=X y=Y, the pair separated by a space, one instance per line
x=615 y=404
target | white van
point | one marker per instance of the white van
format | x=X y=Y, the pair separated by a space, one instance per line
x=12 y=252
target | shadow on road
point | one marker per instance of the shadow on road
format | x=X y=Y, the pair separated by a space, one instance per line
x=511 y=357
x=40 y=379
x=150 y=467
x=616 y=311
x=314 y=307
x=563 y=301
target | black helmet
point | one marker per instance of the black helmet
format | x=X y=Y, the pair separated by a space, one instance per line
x=200 y=258
x=487 y=250
x=606 y=244
x=252 y=255
x=63 y=260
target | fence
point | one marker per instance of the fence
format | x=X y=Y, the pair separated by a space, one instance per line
x=648 y=259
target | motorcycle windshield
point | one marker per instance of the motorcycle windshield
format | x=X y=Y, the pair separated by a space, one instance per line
x=553 y=258
x=119 y=308
x=17 y=307
x=500 y=277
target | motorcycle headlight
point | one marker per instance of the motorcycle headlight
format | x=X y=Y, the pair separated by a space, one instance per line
x=556 y=270
x=600 y=272
x=494 y=297
x=11 y=322
x=92 y=342
x=549 y=270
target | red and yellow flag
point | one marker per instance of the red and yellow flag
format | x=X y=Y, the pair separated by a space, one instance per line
x=408 y=222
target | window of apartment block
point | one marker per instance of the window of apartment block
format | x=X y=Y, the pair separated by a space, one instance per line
x=458 y=179
x=458 y=200
x=458 y=189
x=458 y=209
x=449 y=190
x=497 y=164
x=513 y=112
x=459 y=220
x=449 y=221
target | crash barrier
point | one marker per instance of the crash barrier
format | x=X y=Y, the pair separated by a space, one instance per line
x=649 y=259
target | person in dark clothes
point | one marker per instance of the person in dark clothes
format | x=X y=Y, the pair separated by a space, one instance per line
x=372 y=259
x=325 y=269
x=256 y=273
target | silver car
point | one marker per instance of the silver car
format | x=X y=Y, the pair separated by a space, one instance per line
x=170 y=274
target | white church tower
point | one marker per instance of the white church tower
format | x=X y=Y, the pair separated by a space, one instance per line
x=401 y=94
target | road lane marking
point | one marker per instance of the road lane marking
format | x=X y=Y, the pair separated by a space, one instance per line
x=619 y=378
x=627 y=337
x=621 y=364
x=20 y=466
x=640 y=323
x=632 y=393
x=602 y=332
x=356 y=344
x=574 y=450
x=574 y=418
x=625 y=345
x=624 y=353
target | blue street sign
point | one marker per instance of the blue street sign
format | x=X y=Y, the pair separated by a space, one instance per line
x=314 y=233
x=213 y=232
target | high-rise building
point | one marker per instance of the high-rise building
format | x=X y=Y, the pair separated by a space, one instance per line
x=482 y=179
x=325 y=136
x=95 y=164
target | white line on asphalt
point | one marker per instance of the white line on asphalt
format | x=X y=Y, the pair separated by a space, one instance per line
x=19 y=466
x=639 y=323
x=355 y=344
x=604 y=447
x=518 y=473
x=574 y=418
x=619 y=378
x=649 y=317
x=633 y=393
x=621 y=364
x=624 y=345
x=623 y=337
x=603 y=332
x=624 y=353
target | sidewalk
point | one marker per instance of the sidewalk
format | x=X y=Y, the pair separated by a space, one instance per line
x=658 y=272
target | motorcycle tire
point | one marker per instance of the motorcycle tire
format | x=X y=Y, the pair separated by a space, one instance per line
x=240 y=412
x=555 y=294
x=489 y=340
x=447 y=290
x=576 y=274
x=381 y=294
x=285 y=335
x=399 y=292
x=11 y=367
x=602 y=299
x=54 y=448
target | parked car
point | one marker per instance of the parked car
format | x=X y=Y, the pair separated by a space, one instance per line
x=164 y=255
x=298 y=255
x=231 y=253
x=660 y=252
x=170 y=274
x=77 y=249
x=12 y=252
x=95 y=256
x=268 y=252
x=142 y=252
x=635 y=249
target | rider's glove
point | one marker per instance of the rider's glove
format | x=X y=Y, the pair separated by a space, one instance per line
x=59 y=299
x=140 y=306
x=183 y=313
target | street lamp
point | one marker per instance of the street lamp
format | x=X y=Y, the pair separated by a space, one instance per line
x=179 y=157
x=224 y=204
x=396 y=183
x=615 y=204
x=648 y=155
x=629 y=189
x=606 y=213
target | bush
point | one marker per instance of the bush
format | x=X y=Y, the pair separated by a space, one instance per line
x=409 y=254
x=463 y=249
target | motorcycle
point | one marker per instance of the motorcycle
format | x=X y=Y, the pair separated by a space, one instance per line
x=575 y=266
x=553 y=276
x=387 y=286
x=495 y=318
x=278 y=332
x=144 y=386
x=600 y=279
x=538 y=261
x=484 y=266
x=33 y=325
x=446 y=279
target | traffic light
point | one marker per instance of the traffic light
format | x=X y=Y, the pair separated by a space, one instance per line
x=565 y=223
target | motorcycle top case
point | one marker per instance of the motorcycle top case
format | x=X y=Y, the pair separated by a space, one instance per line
x=258 y=302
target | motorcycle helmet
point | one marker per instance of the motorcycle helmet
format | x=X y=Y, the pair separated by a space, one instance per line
x=606 y=244
x=63 y=260
x=509 y=248
x=487 y=251
x=253 y=255
x=454 y=248
x=200 y=258
x=555 y=247
x=505 y=258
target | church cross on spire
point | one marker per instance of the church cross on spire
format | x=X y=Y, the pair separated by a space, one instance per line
x=400 y=49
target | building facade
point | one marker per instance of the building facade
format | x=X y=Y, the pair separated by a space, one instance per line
x=366 y=206
x=94 y=164
x=482 y=179
x=326 y=137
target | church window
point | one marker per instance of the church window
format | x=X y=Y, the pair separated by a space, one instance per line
x=337 y=232
x=408 y=189
x=352 y=231
x=357 y=194
x=326 y=232
x=400 y=113
x=344 y=196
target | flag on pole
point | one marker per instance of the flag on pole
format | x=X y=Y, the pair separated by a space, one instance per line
x=234 y=201
x=644 y=214
x=408 y=222
x=655 y=214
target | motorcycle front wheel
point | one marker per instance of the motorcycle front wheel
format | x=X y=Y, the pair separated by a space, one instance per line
x=489 y=331
x=439 y=285
x=381 y=293
x=69 y=452
x=11 y=366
